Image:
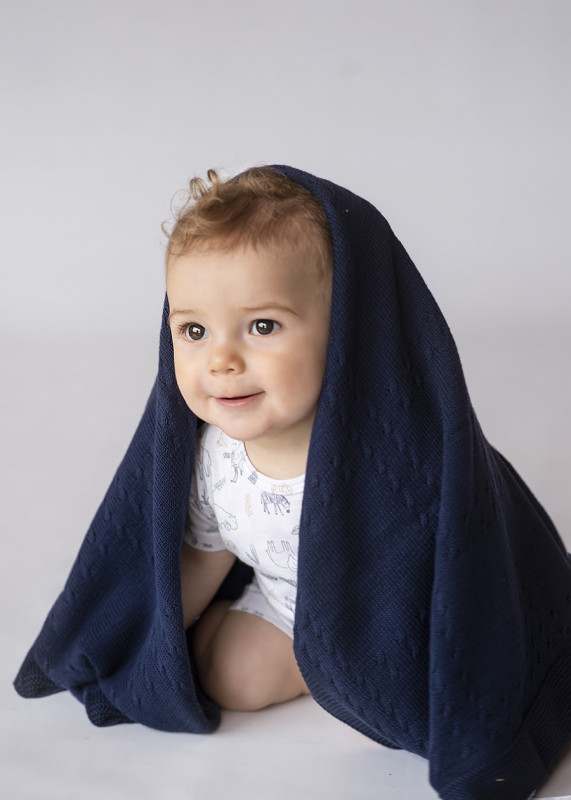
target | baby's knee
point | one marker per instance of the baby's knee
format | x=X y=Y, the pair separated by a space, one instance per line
x=236 y=680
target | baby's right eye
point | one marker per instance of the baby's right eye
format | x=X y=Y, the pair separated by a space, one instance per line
x=193 y=332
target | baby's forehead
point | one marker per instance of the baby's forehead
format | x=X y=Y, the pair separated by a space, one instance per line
x=215 y=281
x=301 y=254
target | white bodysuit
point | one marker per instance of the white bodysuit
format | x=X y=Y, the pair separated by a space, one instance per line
x=234 y=506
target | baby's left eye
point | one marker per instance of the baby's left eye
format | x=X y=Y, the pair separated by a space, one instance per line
x=263 y=327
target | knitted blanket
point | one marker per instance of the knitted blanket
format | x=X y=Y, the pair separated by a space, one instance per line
x=434 y=594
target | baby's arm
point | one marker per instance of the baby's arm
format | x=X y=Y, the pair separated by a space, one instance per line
x=202 y=572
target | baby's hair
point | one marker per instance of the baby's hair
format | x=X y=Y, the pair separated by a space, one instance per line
x=258 y=208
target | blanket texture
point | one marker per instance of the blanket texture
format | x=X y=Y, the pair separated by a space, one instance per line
x=434 y=597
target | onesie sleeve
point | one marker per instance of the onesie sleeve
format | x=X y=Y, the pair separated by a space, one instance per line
x=201 y=530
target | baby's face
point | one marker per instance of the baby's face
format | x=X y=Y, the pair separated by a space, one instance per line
x=250 y=331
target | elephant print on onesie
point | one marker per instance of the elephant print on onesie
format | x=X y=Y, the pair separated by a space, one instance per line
x=284 y=554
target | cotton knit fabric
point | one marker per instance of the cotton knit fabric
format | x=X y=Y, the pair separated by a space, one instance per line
x=440 y=621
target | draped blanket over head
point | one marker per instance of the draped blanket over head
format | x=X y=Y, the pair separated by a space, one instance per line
x=434 y=594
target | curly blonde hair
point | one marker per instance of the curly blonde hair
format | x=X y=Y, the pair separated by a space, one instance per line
x=258 y=208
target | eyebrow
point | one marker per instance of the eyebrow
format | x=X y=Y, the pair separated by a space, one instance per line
x=269 y=307
x=189 y=312
x=186 y=311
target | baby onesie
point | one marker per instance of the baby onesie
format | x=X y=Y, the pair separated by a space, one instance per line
x=234 y=506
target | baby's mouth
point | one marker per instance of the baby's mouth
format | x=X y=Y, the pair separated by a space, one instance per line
x=238 y=401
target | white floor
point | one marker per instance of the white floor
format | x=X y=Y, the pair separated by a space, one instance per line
x=68 y=413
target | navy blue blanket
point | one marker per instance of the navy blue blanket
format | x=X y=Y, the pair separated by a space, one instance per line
x=434 y=598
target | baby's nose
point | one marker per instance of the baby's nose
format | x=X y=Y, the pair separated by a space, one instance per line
x=225 y=358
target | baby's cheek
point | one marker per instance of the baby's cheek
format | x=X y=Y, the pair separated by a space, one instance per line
x=184 y=382
x=305 y=384
x=178 y=374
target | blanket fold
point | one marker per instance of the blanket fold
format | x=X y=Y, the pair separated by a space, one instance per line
x=434 y=594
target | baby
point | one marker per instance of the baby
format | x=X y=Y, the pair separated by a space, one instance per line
x=249 y=270
x=430 y=591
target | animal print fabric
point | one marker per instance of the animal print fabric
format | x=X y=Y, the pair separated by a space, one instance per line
x=234 y=506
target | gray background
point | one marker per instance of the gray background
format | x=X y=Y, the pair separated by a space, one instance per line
x=452 y=116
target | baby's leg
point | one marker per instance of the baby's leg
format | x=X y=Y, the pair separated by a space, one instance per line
x=244 y=662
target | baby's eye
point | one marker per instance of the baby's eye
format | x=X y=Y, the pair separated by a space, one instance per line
x=263 y=327
x=194 y=332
